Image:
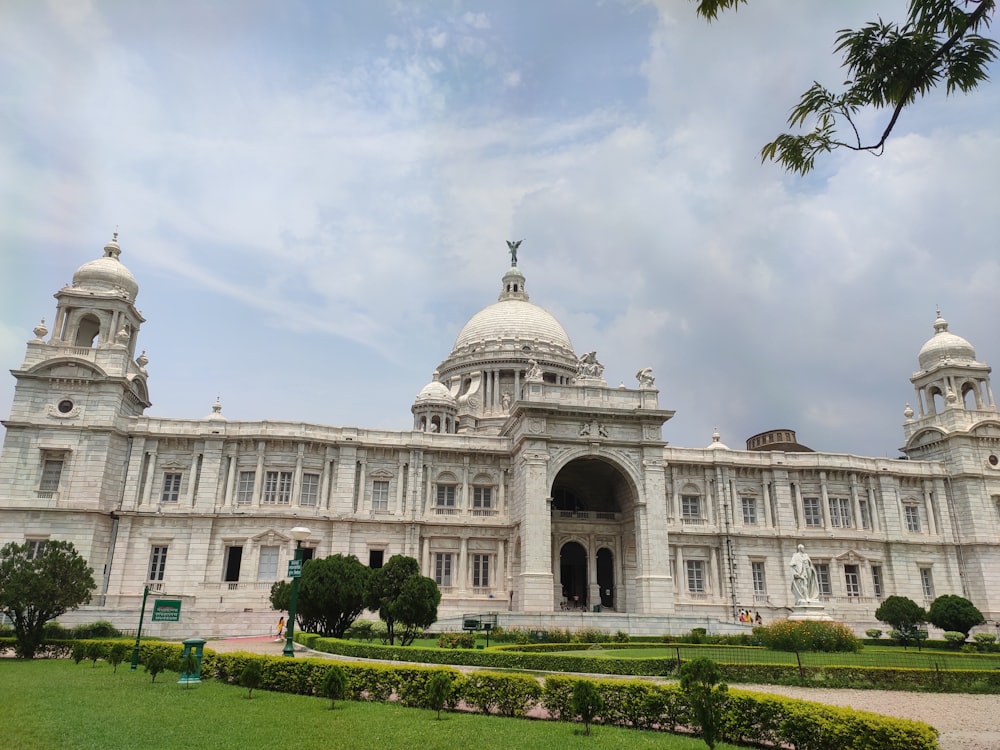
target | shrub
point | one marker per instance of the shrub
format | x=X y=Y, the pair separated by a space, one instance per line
x=116 y=654
x=701 y=683
x=873 y=633
x=807 y=635
x=985 y=642
x=155 y=662
x=505 y=694
x=954 y=638
x=439 y=689
x=456 y=640
x=250 y=676
x=587 y=702
x=621 y=637
x=95 y=650
x=79 y=652
x=334 y=684
x=952 y=612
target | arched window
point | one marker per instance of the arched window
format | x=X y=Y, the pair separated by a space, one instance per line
x=87 y=330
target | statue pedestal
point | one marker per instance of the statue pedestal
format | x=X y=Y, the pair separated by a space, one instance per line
x=809 y=611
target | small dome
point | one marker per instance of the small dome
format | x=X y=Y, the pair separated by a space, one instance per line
x=435 y=392
x=717 y=444
x=945 y=346
x=107 y=274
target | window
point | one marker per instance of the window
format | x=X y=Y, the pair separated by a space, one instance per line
x=750 y=511
x=35 y=547
x=267 y=566
x=759 y=581
x=310 y=489
x=234 y=557
x=690 y=507
x=51 y=473
x=277 y=487
x=171 y=488
x=877 y=581
x=866 y=520
x=695 y=576
x=927 y=583
x=823 y=578
x=481 y=571
x=852 y=580
x=244 y=495
x=380 y=495
x=812 y=512
x=912 y=513
x=157 y=564
x=482 y=498
x=376 y=558
x=840 y=512
x=446 y=498
x=442 y=568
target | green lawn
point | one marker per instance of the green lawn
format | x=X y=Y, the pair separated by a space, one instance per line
x=868 y=657
x=54 y=703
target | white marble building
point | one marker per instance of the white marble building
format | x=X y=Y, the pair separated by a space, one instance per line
x=526 y=484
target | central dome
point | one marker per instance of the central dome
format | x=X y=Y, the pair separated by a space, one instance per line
x=513 y=319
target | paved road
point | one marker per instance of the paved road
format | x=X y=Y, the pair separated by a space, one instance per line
x=966 y=722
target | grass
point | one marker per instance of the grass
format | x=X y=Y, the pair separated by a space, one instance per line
x=54 y=703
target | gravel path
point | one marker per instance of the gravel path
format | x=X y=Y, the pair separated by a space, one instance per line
x=966 y=722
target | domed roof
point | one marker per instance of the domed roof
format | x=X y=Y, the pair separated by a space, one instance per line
x=513 y=319
x=435 y=392
x=717 y=444
x=107 y=274
x=945 y=346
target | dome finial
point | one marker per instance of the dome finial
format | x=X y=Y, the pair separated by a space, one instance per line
x=512 y=249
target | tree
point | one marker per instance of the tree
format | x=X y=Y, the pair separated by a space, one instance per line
x=35 y=589
x=439 y=688
x=155 y=662
x=587 y=702
x=701 y=683
x=900 y=612
x=251 y=676
x=402 y=596
x=281 y=596
x=889 y=65
x=952 y=612
x=332 y=594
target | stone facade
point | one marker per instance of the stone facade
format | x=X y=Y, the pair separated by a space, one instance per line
x=526 y=486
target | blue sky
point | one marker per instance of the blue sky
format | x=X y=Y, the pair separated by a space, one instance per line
x=315 y=197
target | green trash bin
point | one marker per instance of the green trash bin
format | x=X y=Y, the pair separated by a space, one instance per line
x=597 y=607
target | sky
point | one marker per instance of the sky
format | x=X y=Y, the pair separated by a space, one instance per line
x=315 y=197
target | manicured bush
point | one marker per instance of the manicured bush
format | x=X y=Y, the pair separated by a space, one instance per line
x=587 y=703
x=334 y=684
x=873 y=633
x=701 y=683
x=807 y=635
x=155 y=663
x=116 y=654
x=439 y=690
x=985 y=642
x=251 y=675
x=954 y=638
x=504 y=694
x=456 y=640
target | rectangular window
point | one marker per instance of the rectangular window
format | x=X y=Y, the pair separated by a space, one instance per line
x=877 y=581
x=481 y=571
x=277 y=487
x=912 y=513
x=267 y=566
x=927 y=583
x=446 y=496
x=157 y=564
x=749 y=511
x=244 y=495
x=840 y=512
x=759 y=581
x=695 y=576
x=51 y=473
x=866 y=519
x=852 y=580
x=690 y=507
x=380 y=495
x=376 y=558
x=823 y=578
x=310 y=489
x=171 y=488
x=812 y=511
x=482 y=498
x=234 y=558
x=35 y=547
x=442 y=568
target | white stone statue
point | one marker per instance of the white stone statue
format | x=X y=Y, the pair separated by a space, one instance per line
x=645 y=378
x=805 y=584
x=534 y=373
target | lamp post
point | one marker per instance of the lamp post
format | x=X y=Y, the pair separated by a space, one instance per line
x=299 y=534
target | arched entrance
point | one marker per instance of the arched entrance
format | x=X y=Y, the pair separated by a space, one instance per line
x=593 y=534
x=573 y=575
x=606 y=576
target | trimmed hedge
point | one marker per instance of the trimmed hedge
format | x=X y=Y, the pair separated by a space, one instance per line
x=749 y=718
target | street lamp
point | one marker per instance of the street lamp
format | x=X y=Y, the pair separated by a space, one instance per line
x=299 y=534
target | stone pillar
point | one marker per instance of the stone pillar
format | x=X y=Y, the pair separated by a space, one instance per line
x=537 y=580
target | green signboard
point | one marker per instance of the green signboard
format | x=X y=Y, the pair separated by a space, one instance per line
x=294 y=568
x=167 y=610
